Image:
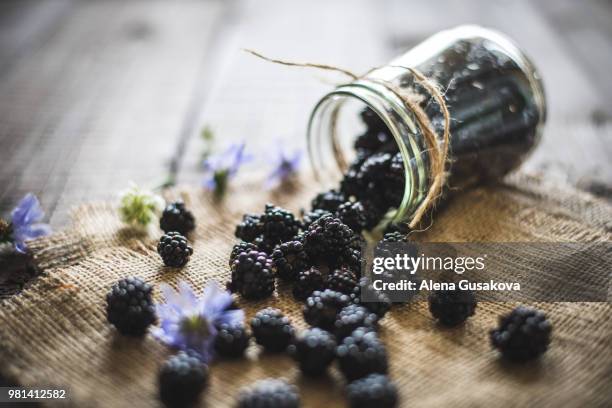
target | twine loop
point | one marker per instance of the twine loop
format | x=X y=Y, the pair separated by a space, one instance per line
x=437 y=145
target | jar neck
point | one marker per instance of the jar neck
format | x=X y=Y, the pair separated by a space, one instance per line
x=330 y=156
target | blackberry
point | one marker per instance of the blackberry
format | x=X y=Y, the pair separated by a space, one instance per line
x=373 y=391
x=385 y=247
x=352 y=183
x=398 y=227
x=249 y=228
x=373 y=176
x=252 y=275
x=174 y=249
x=289 y=259
x=177 y=218
x=394 y=243
x=327 y=238
x=269 y=393
x=395 y=236
x=365 y=295
x=353 y=215
x=272 y=329
x=452 y=307
x=352 y=317
x=373 y=212
x=322 y=307
x=372 y=120
x=397 y=275
x=350 y=259
x=358 y=242
x=231 y=340
x=328 y=200
x=375 y=169
x=312 y=216
x=307 y=282
x=361 y=155
x=362 y=353
x=265 y=245
x=522 y=335
x=314 y=350
x=240 y=247
x=129 y=306
x=372 y=139
x=279 y=225
x=182 y=378
x=396 y=181
x=342 y=280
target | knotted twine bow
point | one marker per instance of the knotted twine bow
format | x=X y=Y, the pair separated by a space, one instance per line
x=438 y=149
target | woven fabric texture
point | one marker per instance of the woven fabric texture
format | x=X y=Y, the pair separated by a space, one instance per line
x=55 y=332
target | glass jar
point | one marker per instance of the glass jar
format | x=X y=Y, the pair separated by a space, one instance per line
x=495 y=100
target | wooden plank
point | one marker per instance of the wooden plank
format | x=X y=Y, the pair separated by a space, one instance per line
x=266 y=104
x=587 y=35
x=102 y=101
x=25 y=25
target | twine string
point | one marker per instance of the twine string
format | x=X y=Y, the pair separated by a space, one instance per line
x=437 y=146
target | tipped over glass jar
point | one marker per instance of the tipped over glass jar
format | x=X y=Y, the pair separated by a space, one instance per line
x=488 y=96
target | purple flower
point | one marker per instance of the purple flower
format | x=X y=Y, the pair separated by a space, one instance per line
x=188 y=322
x=25 y=222
x=285 y=168
x=222 y=167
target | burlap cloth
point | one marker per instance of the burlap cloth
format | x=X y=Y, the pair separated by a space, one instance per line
x=55 y=332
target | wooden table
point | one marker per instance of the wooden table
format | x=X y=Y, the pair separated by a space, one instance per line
x=95 y=94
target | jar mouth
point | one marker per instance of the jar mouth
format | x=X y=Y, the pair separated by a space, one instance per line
x=400 y=123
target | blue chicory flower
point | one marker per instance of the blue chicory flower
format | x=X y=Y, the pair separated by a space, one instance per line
x=286 y=167
x=221 y=168
x=25 y=222
x=188 y=322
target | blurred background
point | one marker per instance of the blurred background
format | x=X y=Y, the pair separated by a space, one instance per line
x=94 y=94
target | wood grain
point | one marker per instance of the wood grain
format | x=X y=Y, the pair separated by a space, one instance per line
x=101 y=101
x=98 y=93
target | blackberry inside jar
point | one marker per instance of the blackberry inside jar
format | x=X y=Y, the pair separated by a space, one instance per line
x=495 y=107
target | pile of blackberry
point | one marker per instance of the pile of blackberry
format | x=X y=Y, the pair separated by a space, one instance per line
x=375 y=179
x=328 y=236
x=302 y=253
x=320 y=257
